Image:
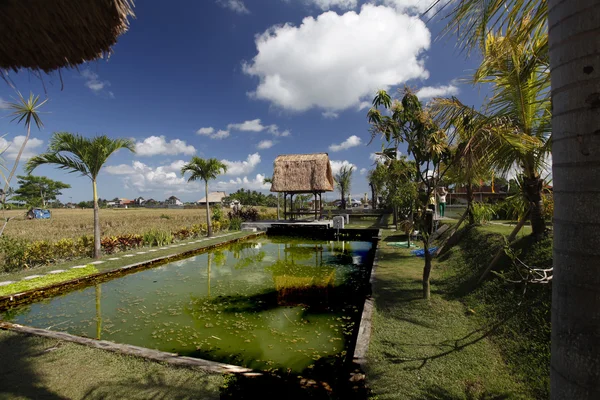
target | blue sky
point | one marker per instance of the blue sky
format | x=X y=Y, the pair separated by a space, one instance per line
x=242 y=81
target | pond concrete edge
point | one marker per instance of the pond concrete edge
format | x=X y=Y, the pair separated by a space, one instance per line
x=359 y=358
x=130 y=350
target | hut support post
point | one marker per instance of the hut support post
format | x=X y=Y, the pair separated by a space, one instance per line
x=316 y=205
x=284 y=206
x=291 y=206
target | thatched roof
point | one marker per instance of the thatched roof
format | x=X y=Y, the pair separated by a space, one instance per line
x=302 y=173
x=213 y=197
x=50 y=34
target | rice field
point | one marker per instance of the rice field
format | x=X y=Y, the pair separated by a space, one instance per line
x=68 y=223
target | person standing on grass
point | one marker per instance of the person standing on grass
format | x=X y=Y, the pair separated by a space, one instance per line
x=442 y=200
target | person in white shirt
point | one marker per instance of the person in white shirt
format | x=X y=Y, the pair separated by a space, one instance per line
x=442 y=192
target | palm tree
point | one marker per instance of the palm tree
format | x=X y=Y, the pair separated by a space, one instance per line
x=519 y=76
x=78 y=154
x=23 y=110
x=343 y=182
x=205 y=170
x=573 y=53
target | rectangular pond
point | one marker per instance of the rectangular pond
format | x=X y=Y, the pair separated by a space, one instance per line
x=267 y=304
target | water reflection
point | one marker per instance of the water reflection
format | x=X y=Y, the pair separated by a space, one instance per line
x=262 y=304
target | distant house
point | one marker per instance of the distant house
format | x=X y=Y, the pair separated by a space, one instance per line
x=124 y=203
x=139 y=201
x=111 y=204
x=150 y=202
x=173 y=201
x=213 y=198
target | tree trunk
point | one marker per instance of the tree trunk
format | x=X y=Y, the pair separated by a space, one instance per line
x=427 y=270
x=343 y=200
x=373 y=197
x=575 y=70
x=208 y=219
x=470 y=203
x=97 y=249
x=532 y=187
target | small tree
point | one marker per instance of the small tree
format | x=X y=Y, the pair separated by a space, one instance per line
x=206 y=170
x=38 y=190
x=78 y=154
x=343 y=182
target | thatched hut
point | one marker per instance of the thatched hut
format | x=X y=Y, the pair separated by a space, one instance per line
x=302 y=173
x=53 y=34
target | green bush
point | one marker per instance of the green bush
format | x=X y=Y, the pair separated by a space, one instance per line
x=235 y=224
x=217 y=213
x=483 y=213
x=156 y=237
x=13 y=253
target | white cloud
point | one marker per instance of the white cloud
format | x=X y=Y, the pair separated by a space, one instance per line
x=265 y=144
x=329 y=4
x=429 y=92
x=352 y=141
x=412 y=6
x=242 y=167
x=237 y=6
x=330 y=114
x=337 y=165
x=248 y=126
x=143 y=178
x=93 y=82
x=363 y=171
x=377 y=158
x=335 y=61
x=3 y=104
x=206 y=131
x=363 y=105
x=274 y=130
x=155 y=145
x=252 y=184
x=11 y=147
x=222 y=134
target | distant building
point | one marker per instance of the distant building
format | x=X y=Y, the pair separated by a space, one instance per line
x=173 y=201
x=139 y=201
x=213 y=198
x=125 y=203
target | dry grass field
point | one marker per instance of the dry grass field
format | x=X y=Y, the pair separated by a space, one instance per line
x=66 y=223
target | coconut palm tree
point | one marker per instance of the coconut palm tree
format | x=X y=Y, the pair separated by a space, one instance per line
x=206 y=170
x=78 y=154
x=519 y=75
x=343 y=182
x=26 y=110
x=573 y=52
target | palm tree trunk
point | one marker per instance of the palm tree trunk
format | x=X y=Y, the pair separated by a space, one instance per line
x=532 y=188
x=470 y=203
x=427 y=270
x=575 y=72
x=97 y=250
x=208 y=219
x=16 y=164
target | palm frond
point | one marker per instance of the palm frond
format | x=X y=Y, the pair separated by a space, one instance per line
x=206 y=170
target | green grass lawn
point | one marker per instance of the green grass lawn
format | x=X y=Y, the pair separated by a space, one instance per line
x=430 y=350
x=41 y=368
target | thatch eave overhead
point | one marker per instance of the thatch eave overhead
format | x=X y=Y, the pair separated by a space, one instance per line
x=302 y=173
x=52 y=34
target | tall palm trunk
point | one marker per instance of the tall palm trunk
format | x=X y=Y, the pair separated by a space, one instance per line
x=208 y=219
x=470 y=203
x=532 y=188
x=97 y=250
x=426 y=269
x=575 y=71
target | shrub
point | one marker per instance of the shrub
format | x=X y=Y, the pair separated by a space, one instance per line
x=13 y=253
x=127 y=242
x=482 y=213
x=156 y=237
x=225 y=224
x=65 y=249
x=216 y=225
x=217 y=213
x=109 y=244
x=165 y=216
x=267 y=216
x=235 y=224
x=245 y=214
x=182 y=233
x=85 y=246
x=548 y=207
